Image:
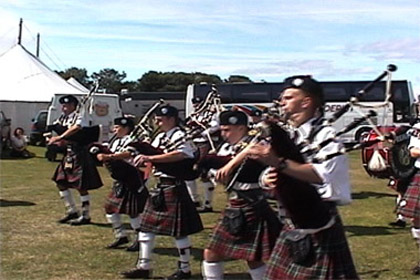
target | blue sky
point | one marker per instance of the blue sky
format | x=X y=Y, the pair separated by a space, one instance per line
x=264 y=40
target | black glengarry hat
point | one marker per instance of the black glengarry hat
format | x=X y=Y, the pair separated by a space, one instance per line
x=307 y=84
x=233 y=118
x=67 y=99
x=167 y=111
x=124 y=121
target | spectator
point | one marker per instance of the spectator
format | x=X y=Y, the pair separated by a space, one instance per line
x=19 y=143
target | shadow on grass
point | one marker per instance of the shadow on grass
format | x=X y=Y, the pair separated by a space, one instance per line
x=370 y=274
x=366 y=230
x=9 y=203
x=198 y=255
x=364 y=195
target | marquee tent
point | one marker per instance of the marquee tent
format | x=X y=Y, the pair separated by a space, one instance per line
x=27 y=86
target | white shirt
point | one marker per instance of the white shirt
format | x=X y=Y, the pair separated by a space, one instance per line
x=334 y=172
x=415 y=143
x=71 y=120
x=120 y=145
x=173 y=136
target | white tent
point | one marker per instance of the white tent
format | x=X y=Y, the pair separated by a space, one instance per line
x=77 y=84
x=27 y=86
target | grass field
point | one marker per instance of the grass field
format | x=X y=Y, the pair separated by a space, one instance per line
x=34 y=246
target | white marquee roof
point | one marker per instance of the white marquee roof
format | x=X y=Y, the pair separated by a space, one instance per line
x=23 y=77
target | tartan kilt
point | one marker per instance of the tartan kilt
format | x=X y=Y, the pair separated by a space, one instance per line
x=257 y=240
x=180 y=218
x=83 y=176
x=331 y=258
x=409 y=206
x=132 y=203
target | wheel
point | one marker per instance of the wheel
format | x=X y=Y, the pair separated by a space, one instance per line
x=360 y=134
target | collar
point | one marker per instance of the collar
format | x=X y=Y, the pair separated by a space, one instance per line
x=305 y=128
x=171 y=131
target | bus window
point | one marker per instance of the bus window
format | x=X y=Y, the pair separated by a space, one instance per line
x=335 y=93
x=249 y=93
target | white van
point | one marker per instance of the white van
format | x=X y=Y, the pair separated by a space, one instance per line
x=101 y=110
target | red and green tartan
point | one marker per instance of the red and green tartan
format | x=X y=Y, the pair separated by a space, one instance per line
x=84 y=174
x=132 y=203
x=331 y=258
x=258 y=238
x=180 y=218
x=409 y=206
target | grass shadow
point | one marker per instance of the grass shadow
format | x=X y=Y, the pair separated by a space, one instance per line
x=9 y=203
x=364 y=195
x=371 y=274
x=369 y=231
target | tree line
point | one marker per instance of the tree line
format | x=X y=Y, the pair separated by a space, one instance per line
x=112 y=81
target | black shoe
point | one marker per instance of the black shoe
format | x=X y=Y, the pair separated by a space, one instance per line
x=416 y=270
x=134 y=247
x=137 y=273
x=179 y=275
x=398 y=223
x=80 y=221
x=205 y=209
x=68 y=217
x=117 y=242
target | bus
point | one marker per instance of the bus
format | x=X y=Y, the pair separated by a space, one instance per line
x=137 y=103
x=251 y=96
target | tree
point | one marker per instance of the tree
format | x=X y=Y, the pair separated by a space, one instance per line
x=80 y=74
x=110 y=80
x=151 y=81
x=173 y=81
x=238 y=79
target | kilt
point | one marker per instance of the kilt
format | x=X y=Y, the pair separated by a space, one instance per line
x=331 y=258
x=257 y=240
x=131 y=203
x=83 y=176
x=409 y=206
x=179 y=219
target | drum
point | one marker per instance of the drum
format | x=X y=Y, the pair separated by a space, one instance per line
x=388 y=159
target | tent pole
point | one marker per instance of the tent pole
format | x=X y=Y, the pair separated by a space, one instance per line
x=20 y=32
x=37 y=45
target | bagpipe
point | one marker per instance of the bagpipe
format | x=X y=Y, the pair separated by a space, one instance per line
x=199 y=123
x=119 y=169
x=85 y=135
x=139 y=144
x=183 y=169
x=384 y=148
x=302 y=201
x=247 y=172
x=379 y=139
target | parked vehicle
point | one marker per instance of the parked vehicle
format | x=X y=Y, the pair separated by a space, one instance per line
x=38 y=127
x=5 y=131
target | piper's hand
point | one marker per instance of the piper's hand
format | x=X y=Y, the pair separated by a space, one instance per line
x=140 y=160
x=223 y=174
x=263 y=153
x=103 y=157
x=54 y=139
x=270 y=178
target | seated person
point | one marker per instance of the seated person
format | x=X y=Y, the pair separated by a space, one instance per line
x=18 y=143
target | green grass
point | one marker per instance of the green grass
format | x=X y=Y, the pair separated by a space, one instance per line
x=34 y=246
